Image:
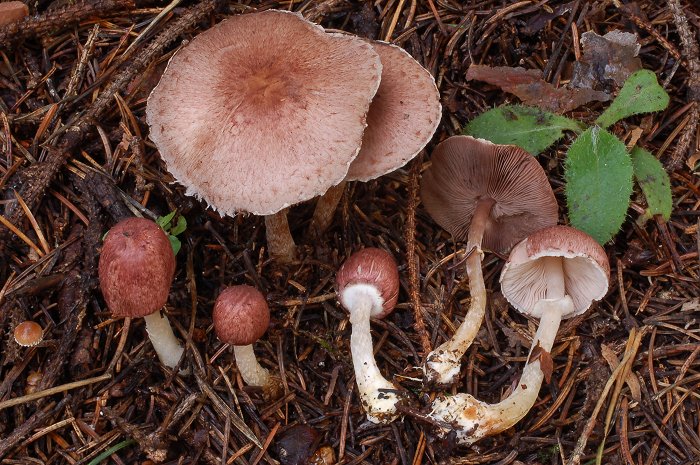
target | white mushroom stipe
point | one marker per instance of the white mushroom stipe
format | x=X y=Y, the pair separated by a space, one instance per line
x=378 y=395
x=251 y=371
x=163 y=339
x=472 y=419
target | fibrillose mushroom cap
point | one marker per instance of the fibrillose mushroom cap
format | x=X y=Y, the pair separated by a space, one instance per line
x=402 y=118
x=585 y=264
x=136 y=268
x=263 y=111
x=28 y=333
x=12 y=11
x=241 y=315
x=465 y=169
x=370 y=268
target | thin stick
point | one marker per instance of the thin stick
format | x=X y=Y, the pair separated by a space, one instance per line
x=52 y=391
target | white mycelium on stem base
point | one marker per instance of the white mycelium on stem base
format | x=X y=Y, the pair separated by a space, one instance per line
x=368 y=286
x=555 y=273
x=136 y=268
x=241 y=316
x=492 y=196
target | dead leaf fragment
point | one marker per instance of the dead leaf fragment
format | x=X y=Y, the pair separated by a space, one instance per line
x=606 y=61
x=631 y=380
x=528 y=86
x=546 y=362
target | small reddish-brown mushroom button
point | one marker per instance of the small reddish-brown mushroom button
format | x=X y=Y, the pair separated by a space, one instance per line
x=368 y=286
x=28 y=333
x=136 y=269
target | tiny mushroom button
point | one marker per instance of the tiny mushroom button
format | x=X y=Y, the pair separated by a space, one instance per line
x=368 y=286
x=554 y=273
x=263 y=111
x=28 y=333
x=493 y=196
x=136 y=269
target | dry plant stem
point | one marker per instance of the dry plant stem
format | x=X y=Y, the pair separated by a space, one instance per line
x=280 y=243
x=378 y=395
x=443 y=364
x=252 y=373
x=325 y=209
x=163 y=339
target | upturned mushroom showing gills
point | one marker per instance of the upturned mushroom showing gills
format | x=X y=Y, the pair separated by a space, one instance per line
x=263 y=111
x=241 y=317
x=402 y=118
x=136 y=269
x=368 y=286
x=493 y=196
x=554 y=273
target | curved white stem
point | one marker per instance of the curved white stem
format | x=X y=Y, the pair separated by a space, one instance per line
x=378 y=396
x=163 y=339
x=473 y=419
x=251 y=371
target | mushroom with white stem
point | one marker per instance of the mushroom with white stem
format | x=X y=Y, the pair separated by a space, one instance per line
x=492 y=196
x=554 y=273
x=402 y=118
x=241 y=317
x=136 y=269
x=261 y=112
x=368 y=286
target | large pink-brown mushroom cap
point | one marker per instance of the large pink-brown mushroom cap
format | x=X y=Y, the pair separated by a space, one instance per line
x=241 y=315
x=263 y=111
x=402 y=118
x=371 y=267
x=585 y=266
x=136 y=268
x=465 y=170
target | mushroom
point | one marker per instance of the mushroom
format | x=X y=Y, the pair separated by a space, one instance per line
x=136 y=269
x=554 y=273
x=263 y=111
x=28 y=333
x=368 y=286
x=241 y=316
x=492 y=196
x=12 y=11
x=402 y=118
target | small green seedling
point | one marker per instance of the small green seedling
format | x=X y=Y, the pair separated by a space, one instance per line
x=173 y=228
x=599 y=170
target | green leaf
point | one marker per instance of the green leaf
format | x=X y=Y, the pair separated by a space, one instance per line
x=531 y=128
x=598 y=183
x=180 y=227
x=654 y=181
x=641 y=93
x=175 y=243
x=164 y=221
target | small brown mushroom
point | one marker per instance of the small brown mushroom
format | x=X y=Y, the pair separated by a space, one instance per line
x=492 y=196
x=28 y=333
x=263 y=111
x=136 y=269
x=12 y=11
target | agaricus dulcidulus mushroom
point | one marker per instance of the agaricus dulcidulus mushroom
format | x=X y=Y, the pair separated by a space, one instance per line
x=28 y=333
x=368 y=286
x=402 y=118
x=493 y=196
x=263 y=111
x=555 y=273
x=11 y=12
x=136 y=269
x=241 y=317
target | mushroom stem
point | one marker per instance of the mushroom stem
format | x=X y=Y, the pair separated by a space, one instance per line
x=473 y=419
x=163 y=339
x=251 y=371
x=325 y=209
x=554 y=274
x=378 y=395
x=442 y=365
x=280 y=243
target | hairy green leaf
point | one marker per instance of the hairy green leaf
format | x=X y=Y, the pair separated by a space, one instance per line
x=180 y=227
x=598 y=183
x=531 y=128
x=641 y=93
x=175 y=243
x=164 y=221
x=654 y=181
